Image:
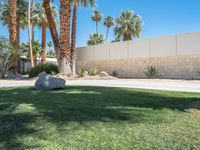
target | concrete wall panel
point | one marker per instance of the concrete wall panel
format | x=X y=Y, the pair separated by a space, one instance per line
x=139 y=48
x=85 y=53
x=188 y=44
x=101 y=52
x=165 y=46
x=119 y=50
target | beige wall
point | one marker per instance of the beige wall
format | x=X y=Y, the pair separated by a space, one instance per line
x=174 y=56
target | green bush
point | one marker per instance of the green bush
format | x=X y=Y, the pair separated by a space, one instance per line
x=152 y=72
x=114 y=73
x=48 y=68
x=93 y=71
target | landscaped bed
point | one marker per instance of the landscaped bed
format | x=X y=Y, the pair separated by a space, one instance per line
x=98 y=118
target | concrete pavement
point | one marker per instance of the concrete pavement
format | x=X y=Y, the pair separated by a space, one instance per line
x=157 y=84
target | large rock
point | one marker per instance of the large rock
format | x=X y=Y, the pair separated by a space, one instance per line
x=103 y=74
x=45 y=82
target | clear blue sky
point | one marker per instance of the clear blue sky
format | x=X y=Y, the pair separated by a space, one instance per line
x=160 y=17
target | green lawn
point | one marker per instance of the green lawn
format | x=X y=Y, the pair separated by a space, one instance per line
x=85 y=118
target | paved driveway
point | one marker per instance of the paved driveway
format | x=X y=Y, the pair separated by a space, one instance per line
x=158 y=84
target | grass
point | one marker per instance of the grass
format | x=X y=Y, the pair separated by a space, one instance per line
x=98 y=118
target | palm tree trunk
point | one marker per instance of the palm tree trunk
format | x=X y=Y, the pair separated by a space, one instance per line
x=33 y=25
x=13 y=59
x=53 y=30
x=18 y=32
x=44 y=26
x=65 y=51
x=29 y=37
x=18 y=41
x=127 y=37
x=107 y=34
x=73 y=42
x=97 y=26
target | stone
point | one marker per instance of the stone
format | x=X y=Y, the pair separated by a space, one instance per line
x=103 y=74
x=86 y=73
x=46 y=82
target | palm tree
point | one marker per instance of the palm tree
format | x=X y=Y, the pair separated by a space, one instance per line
x=13 y=59
x=41 y=20
x=97 y=16
x=108 y=22
x=21 y=17
x=32 y=21
x=4 y=49
x=95 y=39
x=77 y=3
x=37 y=50
x=50 y=44
x=62 y=44
x=51 y=54
x=128 y=25
x=29 y=36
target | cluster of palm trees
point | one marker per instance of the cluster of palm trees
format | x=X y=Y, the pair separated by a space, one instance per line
x=18 y=14
x=127 y=26
x=21 y=14
x=26 y=13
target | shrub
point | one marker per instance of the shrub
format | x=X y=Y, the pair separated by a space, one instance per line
x=81 y=72
x=114 y=73
x=93 y=71
x=152 y=72
x=48 y=68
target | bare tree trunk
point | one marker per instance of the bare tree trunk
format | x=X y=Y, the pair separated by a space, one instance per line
x=73 y=42
x=44 y=42
x=29 y=37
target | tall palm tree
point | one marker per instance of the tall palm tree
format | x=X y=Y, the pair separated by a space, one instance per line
x=41 y=20
x=77 y=3
x=62 y=44
x=29 y=36
x=13 y=59
x=128 y=25
x=97 y=16
x=108 y=23
x=21 y=17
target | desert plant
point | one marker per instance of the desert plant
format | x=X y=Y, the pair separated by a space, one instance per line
x=81 y=72
x=152 y=72
x=93 y=71
x=114 y=73
x=49 y=68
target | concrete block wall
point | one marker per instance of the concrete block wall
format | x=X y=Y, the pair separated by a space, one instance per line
x=175 y=57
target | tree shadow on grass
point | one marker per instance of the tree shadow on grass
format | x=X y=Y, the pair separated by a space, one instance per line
x=83 y=105
x=13 y=126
